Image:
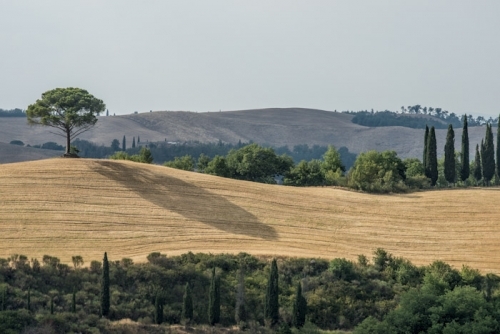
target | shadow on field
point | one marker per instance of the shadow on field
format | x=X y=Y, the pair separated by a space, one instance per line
x=187 y=200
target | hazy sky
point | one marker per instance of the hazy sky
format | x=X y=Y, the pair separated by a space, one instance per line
x=228 y=55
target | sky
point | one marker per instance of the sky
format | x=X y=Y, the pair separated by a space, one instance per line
x=233 y=55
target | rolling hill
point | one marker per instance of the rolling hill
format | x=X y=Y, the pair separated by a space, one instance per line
x=275 y=126
x=14 y=153
x=66 y=207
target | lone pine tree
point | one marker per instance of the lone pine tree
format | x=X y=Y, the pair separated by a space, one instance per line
x=449 y=156
x=431 y=160
x=464 y=155
x=271 y=311
x=105 y=287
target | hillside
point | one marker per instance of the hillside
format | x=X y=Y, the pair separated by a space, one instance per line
x=14 y=153
x=277 y=126
x=66 y=207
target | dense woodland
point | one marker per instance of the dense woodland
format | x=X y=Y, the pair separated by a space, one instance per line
x=385 y=294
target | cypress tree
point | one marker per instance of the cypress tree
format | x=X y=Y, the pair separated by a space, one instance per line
x=498 y=148
x=4 y=300
x=133 y=142
x=138 y=139
x=105 y=304
x=187 y=305
x=73 y=302
x=299 y=308
x=29 y=299
x=271 y=311
x=51 y=304
x=464 y=155
x=477 y=165
x=449 y=156
x=240 y=309
x=158 y=309
x=107 y=112
x=124 y=144
x=214 y=300
x=424 y=160
x=431 y=160
x=488 y=156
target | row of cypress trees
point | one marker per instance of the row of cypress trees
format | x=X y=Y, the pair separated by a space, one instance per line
x=271 y=309
x=484 y=161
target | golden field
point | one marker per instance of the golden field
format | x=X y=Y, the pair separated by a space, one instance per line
x=65 y=207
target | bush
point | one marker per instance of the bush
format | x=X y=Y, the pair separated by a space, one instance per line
x=17 y=142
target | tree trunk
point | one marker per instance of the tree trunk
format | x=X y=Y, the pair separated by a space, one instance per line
x=68 y=142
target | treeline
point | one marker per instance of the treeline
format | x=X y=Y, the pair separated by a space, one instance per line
x=387 y=293
x=163 y=152
x=12 y=113
x=436 y=117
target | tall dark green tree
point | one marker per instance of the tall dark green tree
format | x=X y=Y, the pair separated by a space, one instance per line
x=240 y=310
x=187 y=305
x=105 y=302
x=4 y=299
x=498 y=147
x=133 y=142
x=73 y=302
x=51 y=304
x=28 y=304
x=299 y=308
x=124 y=144
x=464 y=155
x=426 y=140
x=488 y=156
x=214 y=300
x=431 y=160
x=449 y=156
x=478 y=175
x=271 y=311
x=158 y=308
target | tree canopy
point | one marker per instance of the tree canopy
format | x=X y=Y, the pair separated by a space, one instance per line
x=71 y=110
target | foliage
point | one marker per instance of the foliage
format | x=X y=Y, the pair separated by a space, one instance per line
x=306 y=173
x=214 y=300
x=71 y=111
x=144 y=156
x=464 y=154
x=105 y=297
x=478 y=174
x=488 y=156
x=12 y=113
x=17 y=142
x=299 y=308
x=431 y=159
x=339 y=295
x=272 y=296
x=449 y=156
x=187 y=304
x=185 y=163
x=377 y=172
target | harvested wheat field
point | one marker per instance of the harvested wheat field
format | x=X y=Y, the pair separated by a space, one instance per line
x=66 y=207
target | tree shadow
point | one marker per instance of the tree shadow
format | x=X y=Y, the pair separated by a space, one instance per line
x=188 y=200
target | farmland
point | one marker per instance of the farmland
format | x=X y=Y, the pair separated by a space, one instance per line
x=66 y=207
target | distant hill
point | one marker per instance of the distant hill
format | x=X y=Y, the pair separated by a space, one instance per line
x=67 y=207
x=274 y=126
x=15 y=153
